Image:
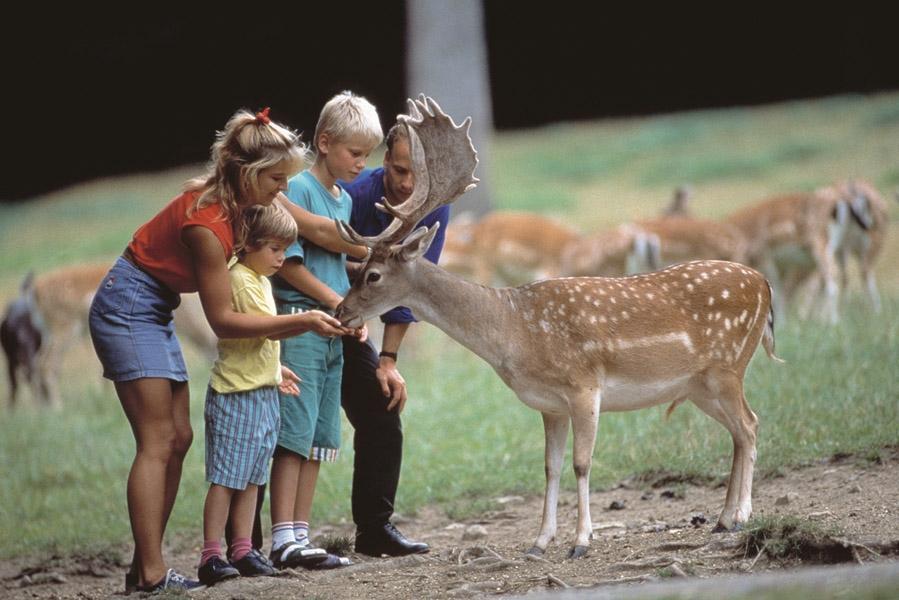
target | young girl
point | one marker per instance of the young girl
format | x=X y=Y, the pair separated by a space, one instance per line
x=185 y=248
x=242 y=407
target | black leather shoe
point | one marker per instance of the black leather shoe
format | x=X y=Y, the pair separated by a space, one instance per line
x=215 y=570
x=387 y=539
x=254 y=564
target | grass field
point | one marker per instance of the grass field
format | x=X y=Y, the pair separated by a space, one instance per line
x=468 y=439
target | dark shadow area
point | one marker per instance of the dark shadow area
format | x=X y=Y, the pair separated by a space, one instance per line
x=91 y=93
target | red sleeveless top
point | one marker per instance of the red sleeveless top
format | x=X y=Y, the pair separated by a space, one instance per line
x=157 y=245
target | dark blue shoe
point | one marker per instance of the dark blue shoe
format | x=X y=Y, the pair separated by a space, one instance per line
x=254 y=564
x=173 y=580
x=216 y=570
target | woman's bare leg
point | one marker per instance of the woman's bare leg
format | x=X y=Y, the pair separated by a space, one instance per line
x=156 y=409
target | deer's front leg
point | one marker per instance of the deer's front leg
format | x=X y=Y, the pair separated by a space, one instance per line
x=556 y=430
x=584 y=416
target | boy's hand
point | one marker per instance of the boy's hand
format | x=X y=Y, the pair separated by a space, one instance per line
x=392 y=384
x=324 y=324
x=289 y=381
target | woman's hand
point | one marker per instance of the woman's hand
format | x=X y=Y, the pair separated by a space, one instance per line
x=324 y=324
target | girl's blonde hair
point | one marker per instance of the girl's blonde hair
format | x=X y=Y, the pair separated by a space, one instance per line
x=347 y=115
x=248 y=144
x=266 y=224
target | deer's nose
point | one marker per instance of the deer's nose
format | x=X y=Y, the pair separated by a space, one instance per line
x=339 y=313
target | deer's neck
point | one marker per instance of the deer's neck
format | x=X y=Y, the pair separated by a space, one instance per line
x=478 y=317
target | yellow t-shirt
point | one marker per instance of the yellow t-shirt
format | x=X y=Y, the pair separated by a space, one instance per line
x=245 y=364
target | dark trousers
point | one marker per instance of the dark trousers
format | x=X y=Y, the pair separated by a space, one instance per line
x=377 y=441
x=378 y=437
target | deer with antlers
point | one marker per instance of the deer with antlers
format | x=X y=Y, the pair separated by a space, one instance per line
x=572 y=347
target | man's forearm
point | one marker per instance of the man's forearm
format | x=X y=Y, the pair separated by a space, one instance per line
x=393 y=336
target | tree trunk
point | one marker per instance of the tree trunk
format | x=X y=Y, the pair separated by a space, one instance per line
x=447 y=60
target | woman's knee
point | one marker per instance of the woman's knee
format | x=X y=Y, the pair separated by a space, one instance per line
x=165 y=444
x=183 y=439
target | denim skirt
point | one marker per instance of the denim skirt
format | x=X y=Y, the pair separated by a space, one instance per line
x=132 y=328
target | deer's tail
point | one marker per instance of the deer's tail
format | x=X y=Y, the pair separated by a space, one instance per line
x=768 y=335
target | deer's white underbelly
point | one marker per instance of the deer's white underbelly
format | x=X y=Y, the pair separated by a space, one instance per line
x=616 y=394
x=620 y=394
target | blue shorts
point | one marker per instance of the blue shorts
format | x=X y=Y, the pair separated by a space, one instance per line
x=310 y=423
x=241 y=433
x=131 y=326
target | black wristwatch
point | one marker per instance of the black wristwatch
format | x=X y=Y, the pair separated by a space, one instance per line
x=388 y=354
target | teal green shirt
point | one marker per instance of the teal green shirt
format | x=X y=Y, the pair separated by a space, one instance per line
x=306 y=191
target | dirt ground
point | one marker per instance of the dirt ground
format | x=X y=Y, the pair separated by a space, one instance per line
x=661 y=529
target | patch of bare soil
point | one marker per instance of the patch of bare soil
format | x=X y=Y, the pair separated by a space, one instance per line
x=847 y=509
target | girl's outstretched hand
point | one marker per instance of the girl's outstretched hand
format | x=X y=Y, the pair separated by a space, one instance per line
x=289 y=381
x=324 y=324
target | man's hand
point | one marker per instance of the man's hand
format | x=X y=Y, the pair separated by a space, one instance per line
x=324 y=324
x=392 y=384
x=289 y=381
x=361 y=333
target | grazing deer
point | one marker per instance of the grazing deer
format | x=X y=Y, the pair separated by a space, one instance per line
x=788 y=232
x=651 y=244
x=572 y=347
x=864 y=233
x=687 y=238
x=507 y=247
x=624 y=250
x=59 y=301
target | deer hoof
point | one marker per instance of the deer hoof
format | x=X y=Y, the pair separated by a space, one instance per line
x=719 y=528
x=577 y=552
x=535 y=551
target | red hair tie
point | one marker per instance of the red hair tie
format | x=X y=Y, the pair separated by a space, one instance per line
x=263 y=115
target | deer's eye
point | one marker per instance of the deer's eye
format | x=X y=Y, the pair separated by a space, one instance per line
x=372 y=277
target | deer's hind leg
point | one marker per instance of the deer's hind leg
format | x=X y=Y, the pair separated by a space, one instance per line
x=584 y=417
x=556 y=430
x=721 y=397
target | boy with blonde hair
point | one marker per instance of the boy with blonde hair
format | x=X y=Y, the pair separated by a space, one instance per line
x=312 y=278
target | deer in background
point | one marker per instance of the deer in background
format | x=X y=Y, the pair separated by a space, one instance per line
x=50 y=313
x=572 y=347
x=680 y=203
x=801 y=241
x=650 y=244
x=624 y=250
x=507 y=247
x=688 y=238
x=863 y=233
x=23 y=336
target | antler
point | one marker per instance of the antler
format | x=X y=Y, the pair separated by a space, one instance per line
x=443 y=164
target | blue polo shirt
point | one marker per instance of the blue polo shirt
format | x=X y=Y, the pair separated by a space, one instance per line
x=368 y=189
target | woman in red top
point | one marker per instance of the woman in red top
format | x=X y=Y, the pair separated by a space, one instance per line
x=186 y=248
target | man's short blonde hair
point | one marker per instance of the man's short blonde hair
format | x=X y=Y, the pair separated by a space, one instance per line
x=347 y=115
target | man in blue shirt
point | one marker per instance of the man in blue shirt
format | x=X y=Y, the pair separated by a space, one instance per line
x=373 y=391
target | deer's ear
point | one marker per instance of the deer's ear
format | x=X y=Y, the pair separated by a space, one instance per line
x=417 y=243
